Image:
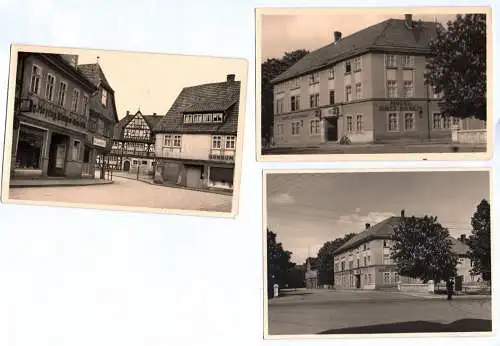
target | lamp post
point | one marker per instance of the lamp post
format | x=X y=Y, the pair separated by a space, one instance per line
x=138 y=167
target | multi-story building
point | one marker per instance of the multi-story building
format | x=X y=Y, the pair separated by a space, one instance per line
x=102 y=118
x=311 y=274
x=134 y=143
x=51 y=114
x=368 y=87
x=196 y=140
x=364 y=262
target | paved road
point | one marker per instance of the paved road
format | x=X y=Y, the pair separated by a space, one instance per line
x=130 y=193
x=329 y=311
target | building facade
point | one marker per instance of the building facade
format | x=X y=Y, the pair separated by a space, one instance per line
x=102 y=118
x=51 y=113
x=196 y=140
x=133 y=145
x=364 y=262
x=311 y=274
x=368 y=87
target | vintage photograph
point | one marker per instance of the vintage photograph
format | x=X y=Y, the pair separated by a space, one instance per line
x=377 y=252
x=372 y=81
x=124 y=129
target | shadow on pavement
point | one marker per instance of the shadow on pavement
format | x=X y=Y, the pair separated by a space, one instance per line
x=464 y=325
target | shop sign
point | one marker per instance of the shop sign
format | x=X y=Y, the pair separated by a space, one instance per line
x=399 y=105
x=99 y=142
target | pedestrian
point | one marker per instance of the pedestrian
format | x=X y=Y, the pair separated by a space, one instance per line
x=449 y=288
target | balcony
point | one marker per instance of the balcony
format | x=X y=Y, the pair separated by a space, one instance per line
x=225 y=155
x=42 y=109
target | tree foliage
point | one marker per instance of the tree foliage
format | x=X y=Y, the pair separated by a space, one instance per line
x=457 y=66
x=422 y=249
x=479 y=241
x=296 y=277
x=325 y=259
x=271 y=69
x=278 y=262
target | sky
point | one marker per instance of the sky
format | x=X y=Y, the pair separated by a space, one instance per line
x=306 y=210
x=282 y=33
x=151 y=82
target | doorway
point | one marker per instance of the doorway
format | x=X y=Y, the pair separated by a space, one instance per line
x=332 y=129
x=458 y=282
x=358 y=280
x=194 y=176
x=126 y=166
x=57 y=154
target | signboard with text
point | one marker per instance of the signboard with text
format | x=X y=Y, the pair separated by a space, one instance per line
x=399 y=105
x=99 y=142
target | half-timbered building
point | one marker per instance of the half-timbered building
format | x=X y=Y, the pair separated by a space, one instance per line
x=133 y=145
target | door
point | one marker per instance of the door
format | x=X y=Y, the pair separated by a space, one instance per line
x=458 y=282
x=358 y=281
x=332 y=129
x=193 y=176
x=57 y=155
x=126 y=166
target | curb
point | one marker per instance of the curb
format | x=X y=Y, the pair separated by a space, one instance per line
x=57 y=185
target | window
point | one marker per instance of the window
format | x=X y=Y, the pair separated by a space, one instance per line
x=217 y=117
x=359 y=123
x=281 y=130
x=393 y=123
x=314 y=78
x=348 y=93
x=49 y=88
x=357 y=263
x=168 y=141
x=408 y=88
x=36 y=75
x=230 y=142
x=447 y=122
x=456 y=122
x=61 y=99
x=349 y=123
x=29 y=147
x=279 y=106
x=188 y=118
x=390 y=61
x=314 y=127
x=364 y=261
x=357 y=64
x=385 y=243
x=177 y=141
x=144 y=162
x=387 y=277
x=347 y=67
x=216 y=142
x=295 y=103
x=392 y=88
x=358 y=91
x=369 y=260
x=85 y=103
x=74 y=101
x=387 y=259
x=409 y=121
x=396 y=277
x=198 y=118
x=296 y=128
x=332 y=97
x=207 y=117
x=342 y=265
x=331 y=73
x=314 y=100
x=437 y=121
x=407 y=61
x=134 y=162
x=104 y=97
x=350 y=264
x=369 y=278
x=76 y=151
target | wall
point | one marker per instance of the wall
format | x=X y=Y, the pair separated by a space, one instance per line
x=195 y=147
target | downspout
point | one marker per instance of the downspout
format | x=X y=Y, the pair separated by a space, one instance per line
x=428 y=114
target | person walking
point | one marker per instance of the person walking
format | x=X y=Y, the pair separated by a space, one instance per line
x=449 y=288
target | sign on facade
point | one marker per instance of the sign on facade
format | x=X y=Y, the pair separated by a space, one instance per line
x=99 y=142
x=398 y=105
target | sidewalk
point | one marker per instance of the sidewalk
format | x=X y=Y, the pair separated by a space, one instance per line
x=443 y=296
x=20 y=183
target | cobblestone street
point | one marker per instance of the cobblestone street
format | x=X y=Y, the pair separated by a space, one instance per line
x=130 y=193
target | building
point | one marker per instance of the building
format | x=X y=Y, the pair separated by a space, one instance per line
x=311 y=274
x=134 y=143
x=102 y=118
x=196 y=140
x=368 y=87
x=364 y=262
x=51 y=113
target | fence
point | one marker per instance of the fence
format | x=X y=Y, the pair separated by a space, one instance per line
x=477 y=137
x=468 y=287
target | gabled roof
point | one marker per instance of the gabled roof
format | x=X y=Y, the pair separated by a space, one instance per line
x=385 y=230
x=94 y=73
x=212 y=97
x=151 y=120
x=391 y=35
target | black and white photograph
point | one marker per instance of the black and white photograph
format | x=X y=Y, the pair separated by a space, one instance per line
x=124 y=129
x=343 y=84
x=377 y=252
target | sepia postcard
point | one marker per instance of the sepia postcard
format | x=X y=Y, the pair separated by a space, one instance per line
x=124 y=130
x=377 y=253
x=374 y=84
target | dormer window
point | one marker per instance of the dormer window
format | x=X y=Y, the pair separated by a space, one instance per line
x=104 y=97
x=203 y=118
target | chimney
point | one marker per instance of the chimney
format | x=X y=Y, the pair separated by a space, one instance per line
x=128 y=112
x=337 y=35
x=154 y=113
x=230 y=77
x=402 y=213
x=408 y=21
x=367 y=225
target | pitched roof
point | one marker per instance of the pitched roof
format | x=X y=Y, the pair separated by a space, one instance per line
x=151 y=120
x=385 y=230
x=94 y=73
x=391 y=35
x=212 y=97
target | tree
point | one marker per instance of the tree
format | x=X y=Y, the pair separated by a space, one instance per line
x=479 y=241
x=296 y=277
x=325 y=259
x=422 y=249
x=271 y=69
x=278 y=262
x=457 y=66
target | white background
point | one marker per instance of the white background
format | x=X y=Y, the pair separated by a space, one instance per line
x=85 y=277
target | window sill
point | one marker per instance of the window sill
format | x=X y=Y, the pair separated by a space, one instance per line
x=408 y=67
x=391 y=67
x=354 y=71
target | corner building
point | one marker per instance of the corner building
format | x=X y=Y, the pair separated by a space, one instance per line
x=368 y=87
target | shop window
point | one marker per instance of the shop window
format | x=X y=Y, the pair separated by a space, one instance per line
x=29 y=147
